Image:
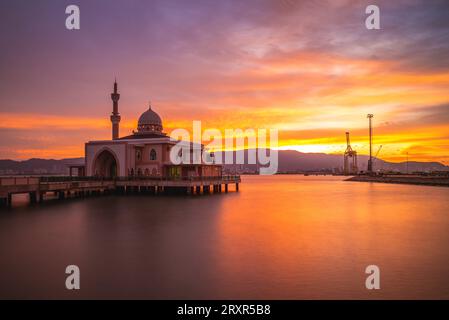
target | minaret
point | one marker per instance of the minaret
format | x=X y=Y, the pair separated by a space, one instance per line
x=115 y=116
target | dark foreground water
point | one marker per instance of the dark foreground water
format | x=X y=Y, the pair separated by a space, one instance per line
x=280 y=237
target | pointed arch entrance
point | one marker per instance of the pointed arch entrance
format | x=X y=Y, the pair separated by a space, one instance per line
x=105 y=165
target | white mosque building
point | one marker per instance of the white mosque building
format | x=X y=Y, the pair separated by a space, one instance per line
x=144 y=153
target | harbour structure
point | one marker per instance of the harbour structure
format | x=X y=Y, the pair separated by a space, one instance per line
x=350 y=158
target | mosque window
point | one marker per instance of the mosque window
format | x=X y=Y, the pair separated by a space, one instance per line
x=153 y=154
x=138 y=155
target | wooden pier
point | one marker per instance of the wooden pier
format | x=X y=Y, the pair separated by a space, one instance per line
x=38 y=187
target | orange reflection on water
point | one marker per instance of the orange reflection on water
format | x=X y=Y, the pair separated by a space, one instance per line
x=312 y=237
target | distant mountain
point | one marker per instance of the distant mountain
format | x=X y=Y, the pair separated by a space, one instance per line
x=289 y=161
x=294 y=161
x=37 y=166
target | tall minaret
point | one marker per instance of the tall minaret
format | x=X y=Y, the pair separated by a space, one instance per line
x=115 y=116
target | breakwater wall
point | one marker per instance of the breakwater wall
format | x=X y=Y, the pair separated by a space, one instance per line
x=440 y=181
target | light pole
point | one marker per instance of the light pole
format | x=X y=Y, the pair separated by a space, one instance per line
x=406 y=165
x=370 y=161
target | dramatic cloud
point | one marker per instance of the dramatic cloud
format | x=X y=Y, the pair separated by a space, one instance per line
x=309 y=68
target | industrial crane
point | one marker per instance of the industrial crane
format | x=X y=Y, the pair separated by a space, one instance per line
x=350 y=158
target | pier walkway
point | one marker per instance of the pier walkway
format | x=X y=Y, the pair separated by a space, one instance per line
x=63 y=186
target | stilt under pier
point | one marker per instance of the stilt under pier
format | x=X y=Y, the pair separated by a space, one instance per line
x=33 y=197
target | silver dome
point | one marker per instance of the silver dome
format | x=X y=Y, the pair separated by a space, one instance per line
x=149 y=121
x=150 y=117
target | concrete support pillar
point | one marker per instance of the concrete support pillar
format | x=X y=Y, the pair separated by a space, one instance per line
x=236 y=186
x=9 y=200
x=6 y=202
x=226 y=188
x=41 y=197
x=219 y=188
x=33 y=197
x=61 y=195
x=198 y=190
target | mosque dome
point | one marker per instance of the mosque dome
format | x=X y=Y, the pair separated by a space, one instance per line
x=149 y=122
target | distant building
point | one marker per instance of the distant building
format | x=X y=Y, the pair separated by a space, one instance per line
x=145 y=153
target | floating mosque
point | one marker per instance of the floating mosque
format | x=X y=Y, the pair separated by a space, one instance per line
x=144 y=153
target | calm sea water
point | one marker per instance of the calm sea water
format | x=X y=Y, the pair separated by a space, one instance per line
x=280 y=237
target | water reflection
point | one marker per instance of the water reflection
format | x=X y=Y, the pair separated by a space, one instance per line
x=280 y=237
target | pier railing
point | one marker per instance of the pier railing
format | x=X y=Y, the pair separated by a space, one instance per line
x=64 y=186
x=14 y=181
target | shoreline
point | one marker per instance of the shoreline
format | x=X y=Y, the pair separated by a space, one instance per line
x=439 y=181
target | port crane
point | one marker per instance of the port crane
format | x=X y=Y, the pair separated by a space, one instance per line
x=350 y=158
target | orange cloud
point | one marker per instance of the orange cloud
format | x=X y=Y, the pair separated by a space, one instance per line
x=311 y=98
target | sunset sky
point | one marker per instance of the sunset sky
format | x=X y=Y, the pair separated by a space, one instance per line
x=308 y=68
